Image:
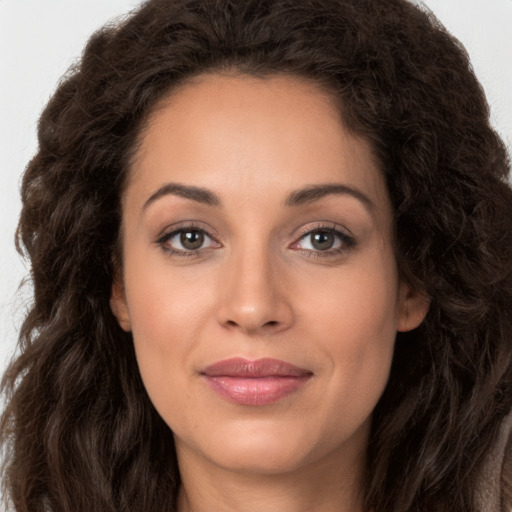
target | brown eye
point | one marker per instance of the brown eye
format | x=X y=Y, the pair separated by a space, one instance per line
x=187 y=241
x=192 y=239
x=325 y=242
x=322 y=240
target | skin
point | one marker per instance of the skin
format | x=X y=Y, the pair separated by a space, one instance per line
x=259 y=287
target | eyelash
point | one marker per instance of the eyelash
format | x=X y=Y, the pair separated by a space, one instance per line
x=164 y=239
x=346 y=241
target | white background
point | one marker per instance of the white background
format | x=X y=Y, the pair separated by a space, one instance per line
x=39 y=39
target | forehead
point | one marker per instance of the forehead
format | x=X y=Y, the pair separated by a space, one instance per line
x=226 y=132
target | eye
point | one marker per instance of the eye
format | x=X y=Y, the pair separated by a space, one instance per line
x=321 y=241
x=325 y=240
x=186 y=241
x=191 y=239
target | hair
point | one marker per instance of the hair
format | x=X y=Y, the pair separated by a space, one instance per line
x=79 y=431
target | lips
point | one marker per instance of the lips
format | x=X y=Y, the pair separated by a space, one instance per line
x=260 y=382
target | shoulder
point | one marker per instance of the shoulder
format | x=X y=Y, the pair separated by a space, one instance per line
x=494 y=492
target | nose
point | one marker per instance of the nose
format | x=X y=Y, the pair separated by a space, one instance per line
x=254 y=298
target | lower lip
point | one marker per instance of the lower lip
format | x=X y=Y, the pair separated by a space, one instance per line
x=256 y=390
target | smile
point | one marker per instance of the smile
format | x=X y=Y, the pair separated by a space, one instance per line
x=260 y=382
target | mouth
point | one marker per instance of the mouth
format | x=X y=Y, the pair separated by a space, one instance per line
x=261 y=382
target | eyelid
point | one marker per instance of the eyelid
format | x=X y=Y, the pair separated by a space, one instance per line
x=189 y=224
x=323 y=226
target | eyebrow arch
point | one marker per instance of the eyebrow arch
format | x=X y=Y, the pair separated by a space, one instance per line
x=313 y=193
x=201 y=195
x=299 y=197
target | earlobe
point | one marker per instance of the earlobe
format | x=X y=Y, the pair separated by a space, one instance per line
x=118 y=304
x=412 y=309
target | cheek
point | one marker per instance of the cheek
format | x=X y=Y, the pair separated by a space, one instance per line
x=353 y=317
x=358 y=303
x=164 y=300
x=168 y=312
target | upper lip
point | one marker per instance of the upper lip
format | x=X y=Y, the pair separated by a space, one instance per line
x=266 y=367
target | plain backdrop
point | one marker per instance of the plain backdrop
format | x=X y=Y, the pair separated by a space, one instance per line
x=40 y=39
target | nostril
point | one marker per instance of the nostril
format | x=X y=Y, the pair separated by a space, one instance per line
x=258 y=318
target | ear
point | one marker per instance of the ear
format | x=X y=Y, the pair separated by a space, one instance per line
x=412 y=308
x=118 y=303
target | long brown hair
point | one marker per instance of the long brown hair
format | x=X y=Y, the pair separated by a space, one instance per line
x=79 y=432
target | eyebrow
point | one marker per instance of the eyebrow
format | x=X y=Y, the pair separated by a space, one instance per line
x=201 y=195
x=313 y=193
x=305 y=195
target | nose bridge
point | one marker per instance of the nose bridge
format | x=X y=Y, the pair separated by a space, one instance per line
x=253 y=298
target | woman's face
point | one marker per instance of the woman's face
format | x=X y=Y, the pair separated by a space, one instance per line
x=258 y=278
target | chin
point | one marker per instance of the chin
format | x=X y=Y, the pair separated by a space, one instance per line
x=267 y=447
x=265 y=456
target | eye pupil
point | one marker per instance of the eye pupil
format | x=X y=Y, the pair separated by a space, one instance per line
x=322 y=240
x=192 y=239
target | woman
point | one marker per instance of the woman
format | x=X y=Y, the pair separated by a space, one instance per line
x=270 y=252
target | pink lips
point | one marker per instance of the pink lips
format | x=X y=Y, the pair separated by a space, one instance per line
x=259 y=382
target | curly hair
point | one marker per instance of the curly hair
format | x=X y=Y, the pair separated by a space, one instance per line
x=79 y=431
